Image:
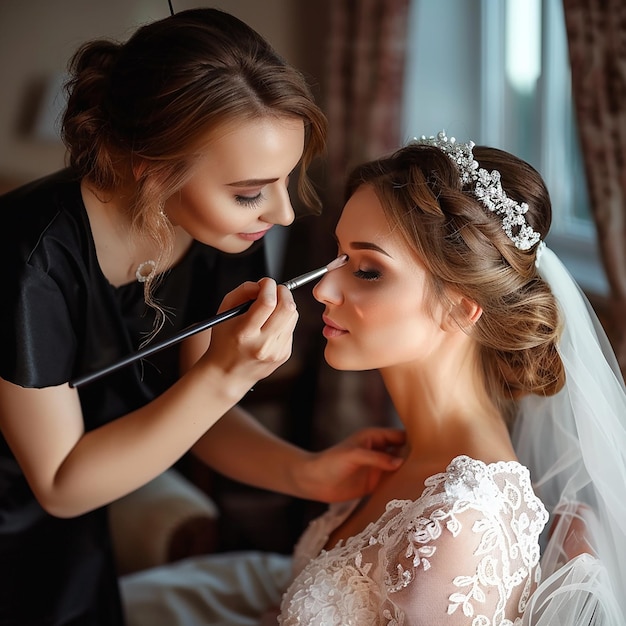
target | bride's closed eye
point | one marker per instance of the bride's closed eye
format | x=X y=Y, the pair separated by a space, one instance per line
x=368 y=274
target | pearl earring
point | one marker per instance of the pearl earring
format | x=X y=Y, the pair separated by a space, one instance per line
x=145 y=271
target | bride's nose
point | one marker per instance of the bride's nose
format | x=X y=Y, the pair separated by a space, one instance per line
x=328 y=290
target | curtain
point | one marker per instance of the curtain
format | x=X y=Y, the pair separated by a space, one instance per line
x=596 y=32
x=365 y=81
x=362 y=98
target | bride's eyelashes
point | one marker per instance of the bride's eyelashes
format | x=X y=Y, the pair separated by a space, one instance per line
x=250 y=201
x=368 y=274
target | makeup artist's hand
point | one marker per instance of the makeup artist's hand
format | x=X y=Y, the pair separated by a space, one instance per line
x=353 y=467
x=251 y=346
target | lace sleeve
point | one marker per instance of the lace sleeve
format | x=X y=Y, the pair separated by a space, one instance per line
x=464 y=553
x=471 y=562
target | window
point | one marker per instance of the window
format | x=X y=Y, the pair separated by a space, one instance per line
x=497 y=72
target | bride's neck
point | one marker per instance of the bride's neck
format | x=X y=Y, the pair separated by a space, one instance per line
x=444 y=410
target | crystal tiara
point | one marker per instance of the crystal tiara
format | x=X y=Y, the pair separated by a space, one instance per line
x=487 y=189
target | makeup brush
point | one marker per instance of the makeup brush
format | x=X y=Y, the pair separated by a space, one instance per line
x=292 y=284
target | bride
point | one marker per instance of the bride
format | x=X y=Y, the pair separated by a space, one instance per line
x=477 y=331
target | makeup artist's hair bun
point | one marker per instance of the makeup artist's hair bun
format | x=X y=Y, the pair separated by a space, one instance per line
x=86 y=128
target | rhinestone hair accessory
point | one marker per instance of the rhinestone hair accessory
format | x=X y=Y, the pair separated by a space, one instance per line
x=487 y=189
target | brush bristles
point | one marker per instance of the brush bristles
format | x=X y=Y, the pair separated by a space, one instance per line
x=337 y=263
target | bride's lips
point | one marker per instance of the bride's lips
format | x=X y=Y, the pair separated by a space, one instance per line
x=331 y=329
x=254 y=236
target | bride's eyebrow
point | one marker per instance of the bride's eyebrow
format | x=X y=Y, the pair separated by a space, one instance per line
x=253 y=182
x=365 y=245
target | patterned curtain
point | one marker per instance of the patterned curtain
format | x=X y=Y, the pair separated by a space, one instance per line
x=596 y=32
x=365 y=81
x=363 y=97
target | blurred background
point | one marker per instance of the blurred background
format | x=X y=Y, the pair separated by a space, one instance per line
x=545 y=79
x=37 y=38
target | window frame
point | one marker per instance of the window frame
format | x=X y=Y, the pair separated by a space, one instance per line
x=572 y=238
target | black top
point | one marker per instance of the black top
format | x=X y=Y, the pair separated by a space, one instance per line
x=60 y=318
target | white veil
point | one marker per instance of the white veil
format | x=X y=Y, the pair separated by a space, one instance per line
x=574 y=444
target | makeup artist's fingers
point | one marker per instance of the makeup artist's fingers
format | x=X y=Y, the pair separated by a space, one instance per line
x=384 y=439
x=253 y=345
x=272 y=304
x=274 y=316
x=354 y=466
x=284 y=317
x=244 y=292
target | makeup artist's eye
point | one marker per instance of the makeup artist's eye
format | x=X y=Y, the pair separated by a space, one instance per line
x=249 y=201
x=368 y=274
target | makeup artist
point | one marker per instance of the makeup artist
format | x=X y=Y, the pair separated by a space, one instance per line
x=181 y=142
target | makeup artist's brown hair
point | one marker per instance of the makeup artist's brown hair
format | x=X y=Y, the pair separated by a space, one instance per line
x=466 y=252
x=154 y=100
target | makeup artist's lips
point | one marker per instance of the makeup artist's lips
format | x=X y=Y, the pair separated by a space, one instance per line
x=254 y=236
x=331 y=330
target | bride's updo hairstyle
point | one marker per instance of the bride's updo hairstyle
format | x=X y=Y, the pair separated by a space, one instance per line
x=143 y=109
x=466 y=251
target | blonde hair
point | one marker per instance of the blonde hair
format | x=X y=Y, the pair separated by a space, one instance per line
x=466 y=252
x=151 y=100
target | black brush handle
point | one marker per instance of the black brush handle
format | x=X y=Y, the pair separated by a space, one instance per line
x=161 y=345
x=292 y=284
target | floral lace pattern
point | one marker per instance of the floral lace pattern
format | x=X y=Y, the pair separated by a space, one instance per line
x=465 y=552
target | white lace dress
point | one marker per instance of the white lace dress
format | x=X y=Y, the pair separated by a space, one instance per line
x=466 y=552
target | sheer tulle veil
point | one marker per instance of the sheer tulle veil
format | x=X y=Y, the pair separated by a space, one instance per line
x=574 y=444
